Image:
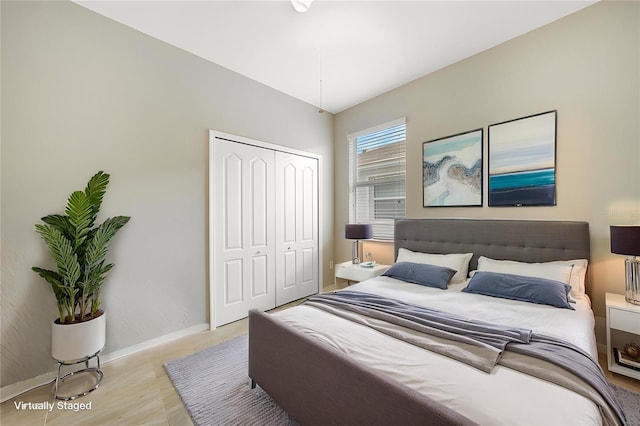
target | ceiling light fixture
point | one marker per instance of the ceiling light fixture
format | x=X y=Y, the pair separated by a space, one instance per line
x=301 y=5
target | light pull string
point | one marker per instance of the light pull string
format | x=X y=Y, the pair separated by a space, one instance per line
x=321 y=110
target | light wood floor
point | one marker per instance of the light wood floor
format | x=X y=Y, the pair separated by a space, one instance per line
x=137 y=391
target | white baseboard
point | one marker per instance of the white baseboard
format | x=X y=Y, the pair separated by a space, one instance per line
x=153 y=342
x=15 y=389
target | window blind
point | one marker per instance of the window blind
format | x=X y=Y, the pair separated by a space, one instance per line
x=377 y=178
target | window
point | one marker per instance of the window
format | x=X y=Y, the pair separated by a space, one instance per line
x=377 y=166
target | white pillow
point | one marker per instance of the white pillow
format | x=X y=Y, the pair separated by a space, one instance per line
x=548 y=270
x=578 y=275
x=457 y=261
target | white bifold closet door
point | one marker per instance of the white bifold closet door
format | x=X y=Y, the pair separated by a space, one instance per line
x=264 y=228
x=244 y=241
x=296 y=227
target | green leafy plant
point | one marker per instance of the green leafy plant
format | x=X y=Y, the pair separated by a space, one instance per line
x=79 y=250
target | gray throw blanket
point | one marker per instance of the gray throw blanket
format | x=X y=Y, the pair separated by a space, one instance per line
x=479 y=344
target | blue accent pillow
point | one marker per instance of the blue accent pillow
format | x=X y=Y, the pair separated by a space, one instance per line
x=519 y=287
x=421 y=273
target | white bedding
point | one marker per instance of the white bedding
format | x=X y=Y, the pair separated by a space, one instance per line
x=504 y=396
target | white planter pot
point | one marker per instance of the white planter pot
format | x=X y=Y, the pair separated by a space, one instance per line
x=70 y=342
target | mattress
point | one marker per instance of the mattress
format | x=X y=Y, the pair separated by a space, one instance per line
x=504 y=396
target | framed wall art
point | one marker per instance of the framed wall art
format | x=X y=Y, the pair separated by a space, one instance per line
x=522 y=161
x=452 y=170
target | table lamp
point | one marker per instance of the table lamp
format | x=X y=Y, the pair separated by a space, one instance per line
x=357 y=232
x=626 y=240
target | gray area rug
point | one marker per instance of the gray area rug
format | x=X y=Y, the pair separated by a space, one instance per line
x=630 y=402
x=214 y=387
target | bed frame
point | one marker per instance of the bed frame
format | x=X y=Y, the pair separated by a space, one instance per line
x=318 y=385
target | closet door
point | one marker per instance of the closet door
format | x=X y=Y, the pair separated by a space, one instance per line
x=296 y=227
x=243 y=230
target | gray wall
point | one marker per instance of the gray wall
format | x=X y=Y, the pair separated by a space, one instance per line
x=81 y=93
x=587 y=66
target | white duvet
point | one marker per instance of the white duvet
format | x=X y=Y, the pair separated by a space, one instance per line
x=503 y=397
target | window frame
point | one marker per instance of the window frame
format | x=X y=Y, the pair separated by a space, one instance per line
x=378 y=223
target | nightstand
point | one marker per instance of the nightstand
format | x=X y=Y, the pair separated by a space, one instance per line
x=354 y=272
x=623 y=326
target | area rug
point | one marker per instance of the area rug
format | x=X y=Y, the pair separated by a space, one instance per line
x=630 y=402
x=214 y=387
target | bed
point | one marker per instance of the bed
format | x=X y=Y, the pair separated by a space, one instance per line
x=326 y=366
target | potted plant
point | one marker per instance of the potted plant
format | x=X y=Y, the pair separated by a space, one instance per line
x=79 y=247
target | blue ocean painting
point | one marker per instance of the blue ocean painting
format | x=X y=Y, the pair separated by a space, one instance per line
x=522 y=161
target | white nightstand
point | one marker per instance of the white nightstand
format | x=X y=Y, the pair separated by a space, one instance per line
x=623 y=326
x=350 y=272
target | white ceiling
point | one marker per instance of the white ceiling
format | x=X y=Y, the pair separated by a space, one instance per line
x=338 y=53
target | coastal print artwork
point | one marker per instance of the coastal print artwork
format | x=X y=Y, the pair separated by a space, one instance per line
x=452 y=170
x=522 y=161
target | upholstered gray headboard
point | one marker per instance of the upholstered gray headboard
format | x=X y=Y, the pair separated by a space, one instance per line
x=521 y=240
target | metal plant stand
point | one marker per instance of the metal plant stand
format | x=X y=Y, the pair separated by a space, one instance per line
x=96 y=371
